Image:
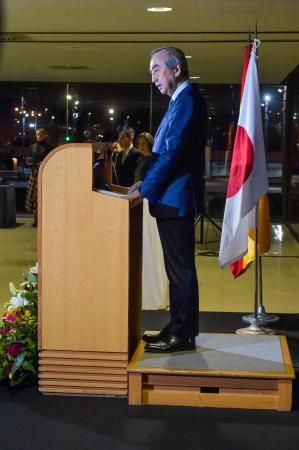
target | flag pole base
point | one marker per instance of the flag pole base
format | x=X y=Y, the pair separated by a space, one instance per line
x=261 y=315
x=255 y=329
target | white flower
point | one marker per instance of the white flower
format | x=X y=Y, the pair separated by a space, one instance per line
x=17 y=302
x=34 y=269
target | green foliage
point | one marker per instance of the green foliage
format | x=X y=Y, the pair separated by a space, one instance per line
x=18 y=333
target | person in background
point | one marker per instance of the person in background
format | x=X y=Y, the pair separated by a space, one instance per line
x=39 y=150
x=127 y=160
x=154 y=280
x=144 y=144
x=6 y=153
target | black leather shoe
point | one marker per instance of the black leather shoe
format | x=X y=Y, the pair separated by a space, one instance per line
x=153 y=338
x=171 y=344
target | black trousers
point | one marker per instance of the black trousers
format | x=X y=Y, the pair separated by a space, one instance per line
x=178 y=240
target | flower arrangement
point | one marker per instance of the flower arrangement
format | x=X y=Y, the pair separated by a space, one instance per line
x=18 y=332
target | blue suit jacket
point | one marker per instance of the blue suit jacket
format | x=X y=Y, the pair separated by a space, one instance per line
x=174 y=183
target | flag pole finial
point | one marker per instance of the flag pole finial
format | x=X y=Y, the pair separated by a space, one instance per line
x=255 y=46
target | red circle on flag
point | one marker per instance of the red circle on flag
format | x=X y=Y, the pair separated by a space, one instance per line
x=242 y=162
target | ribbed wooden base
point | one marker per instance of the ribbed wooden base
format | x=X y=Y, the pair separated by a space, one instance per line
x=83 y=373
x=211 y=388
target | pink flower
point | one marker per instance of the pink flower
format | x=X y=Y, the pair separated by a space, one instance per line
x=5 y=330
x=13 y=349
x=9 y=318
x=15 y=315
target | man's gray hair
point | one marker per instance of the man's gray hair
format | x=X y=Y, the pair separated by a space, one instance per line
x=172 y=57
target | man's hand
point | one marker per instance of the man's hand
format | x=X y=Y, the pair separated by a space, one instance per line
x=135 y=187
x=134 y=192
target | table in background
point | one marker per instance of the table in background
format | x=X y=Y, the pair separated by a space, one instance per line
x=7 y=205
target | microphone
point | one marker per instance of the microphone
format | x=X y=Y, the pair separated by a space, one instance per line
x=101 y=160
x=125 y=125
x=120 y=130
x=99 y=163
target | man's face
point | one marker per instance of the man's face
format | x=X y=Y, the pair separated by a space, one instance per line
x=124 y=140
x=165 y=79
x=40 y=136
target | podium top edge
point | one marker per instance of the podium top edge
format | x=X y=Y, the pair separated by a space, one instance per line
x=118 y=195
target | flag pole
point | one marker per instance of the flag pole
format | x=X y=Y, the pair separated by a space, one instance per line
x=263 y=317
x=255 y=324
x=260 y=312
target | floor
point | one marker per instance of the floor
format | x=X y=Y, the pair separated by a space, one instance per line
x=218 y=290
x=82 y=423
x=280 y=267
x=18 y=252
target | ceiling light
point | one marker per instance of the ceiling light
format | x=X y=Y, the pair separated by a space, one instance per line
x=194 y=78
x=188 y=56
x=111 y=111
x=159 y=9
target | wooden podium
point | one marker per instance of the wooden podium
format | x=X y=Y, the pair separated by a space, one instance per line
x=90 y=258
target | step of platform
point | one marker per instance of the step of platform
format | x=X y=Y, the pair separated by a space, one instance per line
x=225 y=371
x=83 y=373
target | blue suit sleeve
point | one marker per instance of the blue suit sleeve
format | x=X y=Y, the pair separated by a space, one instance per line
x=175 y=145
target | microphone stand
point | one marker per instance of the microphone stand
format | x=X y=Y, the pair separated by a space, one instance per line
x=98 y=161
x=125 y=126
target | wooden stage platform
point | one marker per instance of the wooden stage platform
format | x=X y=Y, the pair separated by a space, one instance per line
x=226 y=371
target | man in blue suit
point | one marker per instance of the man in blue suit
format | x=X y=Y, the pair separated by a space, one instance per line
x=174 y=188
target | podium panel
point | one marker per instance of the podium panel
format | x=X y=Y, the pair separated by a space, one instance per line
x=90 y=252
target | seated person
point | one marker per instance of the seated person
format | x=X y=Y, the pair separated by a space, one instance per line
x=126 y=161
x=144 y=143
x=154 y=280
